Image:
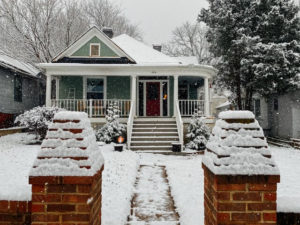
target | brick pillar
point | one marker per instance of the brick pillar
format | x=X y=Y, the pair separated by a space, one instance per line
x=240 y=176
x=66 y=177
x=239 y=199
x=66 y=199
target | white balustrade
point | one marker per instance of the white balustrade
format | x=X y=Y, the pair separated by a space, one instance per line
x=189 y=107
x=179 y=123
x=93 y=107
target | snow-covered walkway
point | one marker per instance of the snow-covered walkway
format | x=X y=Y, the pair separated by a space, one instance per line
x=152 y=202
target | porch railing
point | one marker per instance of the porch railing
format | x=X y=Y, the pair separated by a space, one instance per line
x=130 y=124
x=93 y=107
x=188 y=107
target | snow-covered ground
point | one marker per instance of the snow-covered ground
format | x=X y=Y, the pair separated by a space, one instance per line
x=184 y=174
x=16 y=159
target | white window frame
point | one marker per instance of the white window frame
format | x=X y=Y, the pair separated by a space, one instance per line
x=93 y=44
x=104 y=78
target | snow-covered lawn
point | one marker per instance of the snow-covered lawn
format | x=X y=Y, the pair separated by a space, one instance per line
x=16 y=159
x=185 y=177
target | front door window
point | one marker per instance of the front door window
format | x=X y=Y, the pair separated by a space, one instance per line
x=95 y=89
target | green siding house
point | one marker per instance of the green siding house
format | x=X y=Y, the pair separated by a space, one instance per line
x=96 y=71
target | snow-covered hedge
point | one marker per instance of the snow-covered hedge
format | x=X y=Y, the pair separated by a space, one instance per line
x=37 y=119
x=113 y=128
x=198 y=133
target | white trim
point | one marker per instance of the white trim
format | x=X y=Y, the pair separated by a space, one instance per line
x=161 y=96
x=104 y=78
x=76 y=69
x=99 y=52
x=94 y=31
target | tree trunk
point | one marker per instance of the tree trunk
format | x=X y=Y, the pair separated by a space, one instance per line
x=248 y=100
x=238 y=91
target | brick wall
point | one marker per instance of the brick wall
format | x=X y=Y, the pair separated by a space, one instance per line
x=239 y=199
x=15 y=212
x=66 y=200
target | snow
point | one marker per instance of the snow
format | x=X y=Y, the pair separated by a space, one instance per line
x=16 y=159
x=142 y=53
x=224 y=154
x=62 y=143
x=223 y=105
x=236 y=115
x=187 y=60
x=118 y=180
x=12 y=63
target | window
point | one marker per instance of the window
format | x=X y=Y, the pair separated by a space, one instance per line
x=257 y=110
x=95 y=50
x=95 y=89
x=183 y=91
x=18 y=88
x=276 y=104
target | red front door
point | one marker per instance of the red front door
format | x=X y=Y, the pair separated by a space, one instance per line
x=153 y=99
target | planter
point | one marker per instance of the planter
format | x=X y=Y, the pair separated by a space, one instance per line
x=176 y=147
x=118 y=148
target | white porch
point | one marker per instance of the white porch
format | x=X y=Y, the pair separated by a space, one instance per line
x=96 y=108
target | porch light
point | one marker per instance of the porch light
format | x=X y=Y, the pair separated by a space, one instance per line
x=120 y=140
x=165 y=97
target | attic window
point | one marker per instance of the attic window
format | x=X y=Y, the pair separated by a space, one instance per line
x=95 y=50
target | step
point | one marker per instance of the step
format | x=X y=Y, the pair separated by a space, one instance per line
x=154 y=134
x=154 y=143
x=151 y=148
x=154 y=126
x=153 y=122
x=155 y=138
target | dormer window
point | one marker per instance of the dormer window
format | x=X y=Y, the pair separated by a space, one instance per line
x=95 y=50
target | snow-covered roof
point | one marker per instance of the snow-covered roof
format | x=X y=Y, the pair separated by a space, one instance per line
x=14 y=64
x=142 y=53
x=223 y=105
x=187 y=60
x=237 y=146
x=69 y=149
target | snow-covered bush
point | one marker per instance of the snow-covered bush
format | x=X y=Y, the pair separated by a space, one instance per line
x=198 y=133
x=113 y=128
x=37 y=120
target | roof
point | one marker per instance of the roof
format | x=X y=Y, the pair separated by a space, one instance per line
x=14 y=64
x=142 y=53
x=187 y=60
x=94 y=31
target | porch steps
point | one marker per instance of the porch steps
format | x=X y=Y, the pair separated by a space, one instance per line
x=154 y=134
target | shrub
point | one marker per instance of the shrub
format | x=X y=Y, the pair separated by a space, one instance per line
x=112 y=129
x=37 y=120
x=198 y=133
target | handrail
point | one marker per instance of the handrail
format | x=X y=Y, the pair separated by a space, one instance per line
x=130 y=124
x=179 y=123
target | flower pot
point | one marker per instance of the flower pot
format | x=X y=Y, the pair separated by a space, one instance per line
x=176 y=147
x=118 y=148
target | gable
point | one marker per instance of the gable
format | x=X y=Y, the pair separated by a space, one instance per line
x=105 y=51
x=79 y=51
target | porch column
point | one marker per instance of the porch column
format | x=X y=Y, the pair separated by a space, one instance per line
x=133 y=92
x=175 y=90
x=206 y=104
x=48 y=90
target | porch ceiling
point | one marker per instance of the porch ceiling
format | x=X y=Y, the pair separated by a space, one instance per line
x=74 y=69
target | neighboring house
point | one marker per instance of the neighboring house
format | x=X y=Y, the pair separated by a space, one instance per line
x=21 y=86
x=97 y=70
x=279 y=116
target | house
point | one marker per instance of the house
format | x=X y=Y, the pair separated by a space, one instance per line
x=150 y=88
x=279 y=116
x=22 y=88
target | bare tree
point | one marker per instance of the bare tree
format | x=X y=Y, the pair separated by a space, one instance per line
x=36 y=30
x=104 y=13
x=189 y=40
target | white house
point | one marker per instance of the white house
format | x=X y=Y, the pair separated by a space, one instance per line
x=97 y=70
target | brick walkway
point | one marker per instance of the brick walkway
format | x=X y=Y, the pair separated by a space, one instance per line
x=152 y=202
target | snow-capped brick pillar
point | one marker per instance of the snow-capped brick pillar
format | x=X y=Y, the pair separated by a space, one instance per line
x=240 y=176
x=15 y=212
x=66 y=176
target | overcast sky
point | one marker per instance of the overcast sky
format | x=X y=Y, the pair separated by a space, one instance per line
x=157 y=18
